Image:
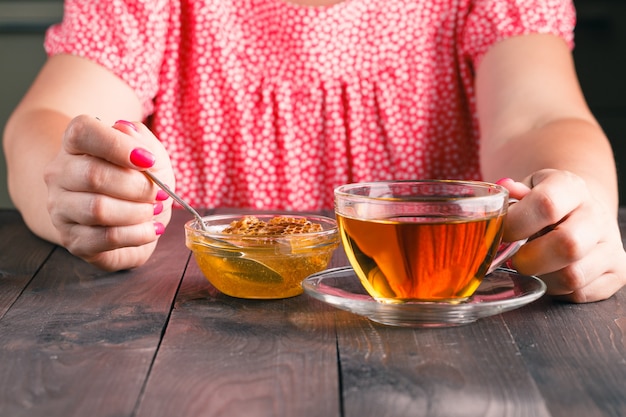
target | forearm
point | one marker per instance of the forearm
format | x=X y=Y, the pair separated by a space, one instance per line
x=66 y=87
x=574 y=145
x=27 y=131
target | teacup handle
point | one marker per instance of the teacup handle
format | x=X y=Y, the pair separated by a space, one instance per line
x=506 y=250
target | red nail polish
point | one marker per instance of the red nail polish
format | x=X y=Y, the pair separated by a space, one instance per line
x=503 y=180
x=162 y=195
x=126 y=123
x=142 y=158
x=158 y=208
x=159 y=228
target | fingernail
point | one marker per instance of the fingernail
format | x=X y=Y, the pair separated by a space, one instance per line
x=126 y=123
x=162 y=195
x=158 y=208
x=142 y=158
x=503 y=180
x=159 y=228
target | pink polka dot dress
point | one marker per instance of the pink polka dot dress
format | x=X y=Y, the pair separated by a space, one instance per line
x=269 y=105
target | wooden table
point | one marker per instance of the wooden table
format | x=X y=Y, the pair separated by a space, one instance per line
x=160 y=341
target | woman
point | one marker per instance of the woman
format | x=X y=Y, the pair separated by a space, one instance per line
x=270 y=104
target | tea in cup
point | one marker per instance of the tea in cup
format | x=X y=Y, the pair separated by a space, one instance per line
x=423 y=240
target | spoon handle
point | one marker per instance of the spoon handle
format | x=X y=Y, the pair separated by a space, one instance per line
x=175 y=197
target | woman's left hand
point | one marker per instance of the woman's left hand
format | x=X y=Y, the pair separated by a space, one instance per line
x=574 y=243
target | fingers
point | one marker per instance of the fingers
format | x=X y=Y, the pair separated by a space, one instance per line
x=86 y=135
x=141 y=158
x=516 y=189
x=561 y=244
x=90 y=230
x=107 y=160
x=86 y=241
x=88 y=174
x=123 y=258
x=91 y=209
x=574 y=241
x=597 y=277
x=106 y=211
x=554 y=195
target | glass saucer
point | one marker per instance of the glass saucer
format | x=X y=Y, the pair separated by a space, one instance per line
x=500 y=291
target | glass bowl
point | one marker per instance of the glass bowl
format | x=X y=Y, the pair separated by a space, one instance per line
x=267 y=266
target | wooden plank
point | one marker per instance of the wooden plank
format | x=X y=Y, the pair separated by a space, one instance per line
x=472 y=370
x=493 y=367
x=21 y=255
x=80 y=342
x=576 y=353
x=243 y=357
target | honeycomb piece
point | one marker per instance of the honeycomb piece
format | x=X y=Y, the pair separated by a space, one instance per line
x=248 y=225
x=252 y=226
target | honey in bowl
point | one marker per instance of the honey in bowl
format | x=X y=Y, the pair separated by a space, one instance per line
x=262 y=256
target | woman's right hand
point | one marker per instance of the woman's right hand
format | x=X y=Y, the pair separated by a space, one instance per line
x=105 y=210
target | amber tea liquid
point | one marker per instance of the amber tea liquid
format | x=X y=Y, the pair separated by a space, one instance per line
x=421 y=258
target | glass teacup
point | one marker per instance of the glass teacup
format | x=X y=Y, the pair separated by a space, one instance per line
x=423 y=240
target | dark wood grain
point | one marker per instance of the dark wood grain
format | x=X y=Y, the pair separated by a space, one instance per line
x=21 y=256
x=223 y=356
x=161 y=341
x=472 y=370
x=80 y=342
x=576 y=353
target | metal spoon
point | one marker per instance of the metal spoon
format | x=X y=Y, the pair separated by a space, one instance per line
x=176 y=198
x=253 y=267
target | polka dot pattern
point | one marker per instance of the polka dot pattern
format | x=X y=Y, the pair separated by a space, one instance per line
x=270 y=105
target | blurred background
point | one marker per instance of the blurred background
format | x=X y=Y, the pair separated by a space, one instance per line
x=600 y=56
